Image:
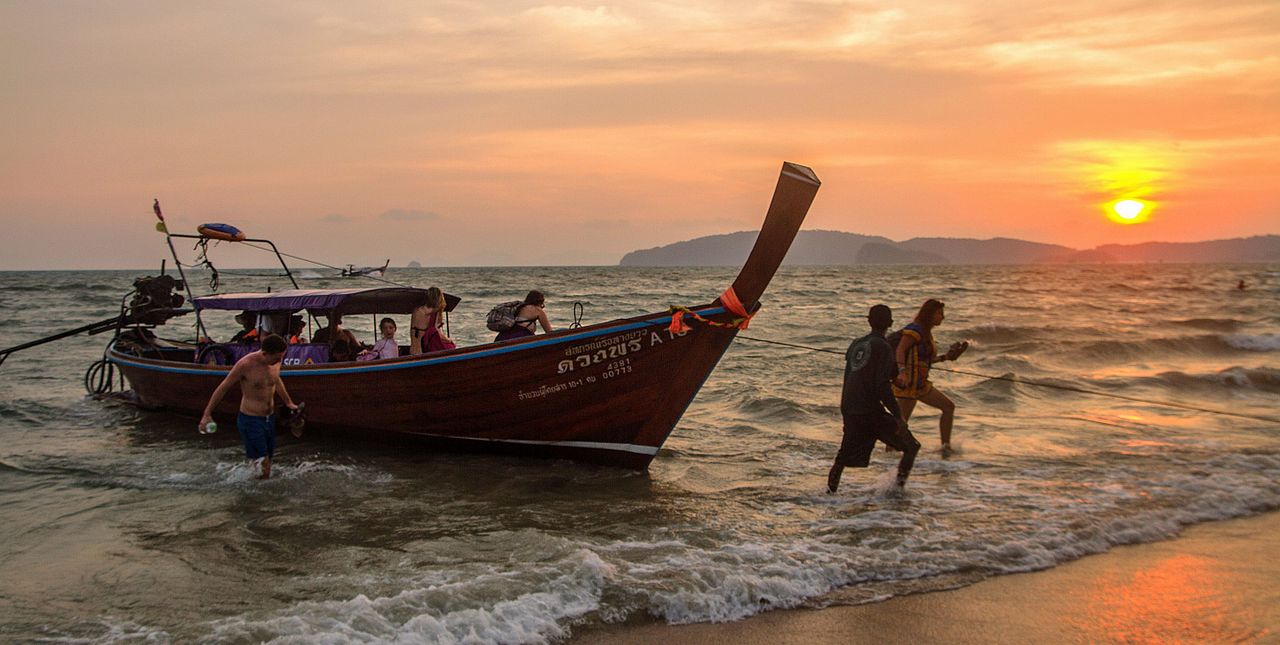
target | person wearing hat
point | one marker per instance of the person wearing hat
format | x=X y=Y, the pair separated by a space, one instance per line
x=296 y=327
x=867 y=403
x=343 y=345
x=250 y=332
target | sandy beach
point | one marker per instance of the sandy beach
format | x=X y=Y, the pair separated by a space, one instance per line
x=1217 y=582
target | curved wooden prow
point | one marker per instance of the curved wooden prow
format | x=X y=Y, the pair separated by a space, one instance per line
x=797 y=186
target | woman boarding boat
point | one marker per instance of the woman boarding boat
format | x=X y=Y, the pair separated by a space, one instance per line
x=609 y=393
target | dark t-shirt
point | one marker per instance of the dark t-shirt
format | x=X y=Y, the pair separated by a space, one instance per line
x=869 y=368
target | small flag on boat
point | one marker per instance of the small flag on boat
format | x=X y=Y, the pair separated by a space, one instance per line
x=160 y=226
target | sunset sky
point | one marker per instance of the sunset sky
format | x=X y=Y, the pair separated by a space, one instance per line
x=482 y=133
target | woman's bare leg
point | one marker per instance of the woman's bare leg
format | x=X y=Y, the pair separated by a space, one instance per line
x=937 y=399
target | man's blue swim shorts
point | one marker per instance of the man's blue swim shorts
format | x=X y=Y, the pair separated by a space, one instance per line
x=258 y=434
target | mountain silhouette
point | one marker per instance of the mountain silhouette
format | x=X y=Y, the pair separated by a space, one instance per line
x=840 y=248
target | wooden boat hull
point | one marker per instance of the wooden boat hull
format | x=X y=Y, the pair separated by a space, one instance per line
x=609 y=393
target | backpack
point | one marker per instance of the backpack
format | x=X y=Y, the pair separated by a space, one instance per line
x=895 y=339
x=503 y=317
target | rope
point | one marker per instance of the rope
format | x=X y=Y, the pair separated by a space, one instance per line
x=202 y=260
x=322 y=264
x=731 y=304
x=245 y=274
x=100 y=377
x=1055 y=386
x=578 y=311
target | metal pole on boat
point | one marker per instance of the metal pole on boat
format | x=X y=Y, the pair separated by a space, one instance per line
x=91 y=328
x=279 y=255
x=287 y=272
x=164 y=228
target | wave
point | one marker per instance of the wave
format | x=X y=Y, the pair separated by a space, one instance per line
x=317 y=475
x=29 y=413
x=1235 y=378
x=1211 y=324
x=877 y=551
x=1031 y=338
x=118 y=289
x=445 y=612
x=774 y=409
x=997 y=334
x=1254 y=343
x=1202 y=345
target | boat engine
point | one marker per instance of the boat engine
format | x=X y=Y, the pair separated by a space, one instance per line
x=154 y=300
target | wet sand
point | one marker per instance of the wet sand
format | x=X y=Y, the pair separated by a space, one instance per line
x=1218 y=582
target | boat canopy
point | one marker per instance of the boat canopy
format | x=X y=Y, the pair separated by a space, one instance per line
x=376 y=300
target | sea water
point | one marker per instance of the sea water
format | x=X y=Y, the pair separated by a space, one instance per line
x=126 y=525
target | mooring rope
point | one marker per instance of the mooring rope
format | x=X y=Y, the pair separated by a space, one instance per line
x=1055 y=386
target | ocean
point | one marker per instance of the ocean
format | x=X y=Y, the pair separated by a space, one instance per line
x=124 y=525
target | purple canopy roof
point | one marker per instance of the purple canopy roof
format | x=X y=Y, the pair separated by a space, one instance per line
x=390 y=300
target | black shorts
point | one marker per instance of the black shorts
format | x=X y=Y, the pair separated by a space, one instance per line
x=861 y=431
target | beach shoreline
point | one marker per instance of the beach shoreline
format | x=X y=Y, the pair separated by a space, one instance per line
x=1216 y=582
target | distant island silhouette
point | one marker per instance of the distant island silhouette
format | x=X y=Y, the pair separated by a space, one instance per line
x=839 y=248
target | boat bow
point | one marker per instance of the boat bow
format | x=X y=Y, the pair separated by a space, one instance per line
x=797 y=186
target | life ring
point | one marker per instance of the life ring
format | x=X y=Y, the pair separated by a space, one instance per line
x=214 y=355
x=225 y=232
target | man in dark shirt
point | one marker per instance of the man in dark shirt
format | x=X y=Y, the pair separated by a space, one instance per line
x=249 y=320
x=867 y=403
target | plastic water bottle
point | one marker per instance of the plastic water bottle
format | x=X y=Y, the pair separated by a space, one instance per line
x=211 y=428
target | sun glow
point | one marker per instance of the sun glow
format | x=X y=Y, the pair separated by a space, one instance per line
x=1128 y=208
x=1128 y=211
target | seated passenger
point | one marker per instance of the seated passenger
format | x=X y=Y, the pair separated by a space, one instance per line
x=335 y=332
x=296 y=327
x=341 y=351
x=427 y=325
x=250 y=332
x=528 y=317
x=386 y=347
x=275 y=322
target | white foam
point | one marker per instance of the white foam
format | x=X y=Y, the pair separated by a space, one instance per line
x=438 y=613
x=118 y=631
x=951 y=526
x=975 y=523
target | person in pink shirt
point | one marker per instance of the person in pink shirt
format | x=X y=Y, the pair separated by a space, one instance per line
x=386 y=347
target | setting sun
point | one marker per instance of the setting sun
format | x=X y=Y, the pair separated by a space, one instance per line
x=1129 y=208
x=1128 y=211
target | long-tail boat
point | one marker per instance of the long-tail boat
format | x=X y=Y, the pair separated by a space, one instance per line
x=353 y=271
x=609 y=393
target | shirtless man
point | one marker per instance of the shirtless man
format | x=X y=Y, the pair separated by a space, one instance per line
x=258 y=375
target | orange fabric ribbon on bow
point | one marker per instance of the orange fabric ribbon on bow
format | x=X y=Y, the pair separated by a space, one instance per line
x=731 y=303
